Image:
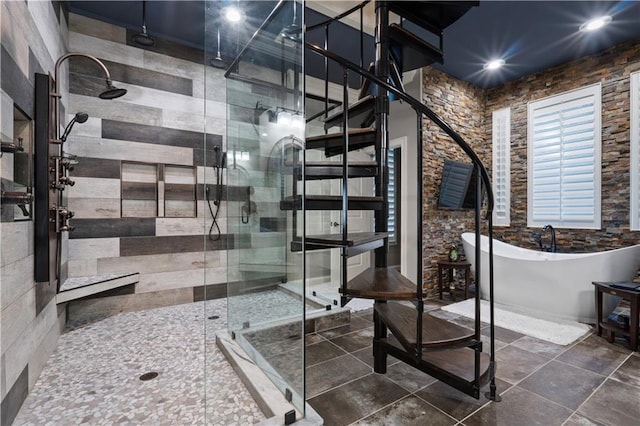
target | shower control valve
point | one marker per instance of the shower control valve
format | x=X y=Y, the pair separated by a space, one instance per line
x=65 y=180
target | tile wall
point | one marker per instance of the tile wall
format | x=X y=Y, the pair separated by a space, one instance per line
x=34 y=35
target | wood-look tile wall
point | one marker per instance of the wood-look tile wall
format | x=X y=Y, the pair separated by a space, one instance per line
x=159 y=126
x=34 y=35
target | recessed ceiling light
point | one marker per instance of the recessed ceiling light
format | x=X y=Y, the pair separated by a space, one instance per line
x=232 y=14
x=493 y=64
x=595 y=23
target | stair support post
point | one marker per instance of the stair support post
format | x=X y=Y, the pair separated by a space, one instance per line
x=379 y=349
x=345 y=179
x=382 y=41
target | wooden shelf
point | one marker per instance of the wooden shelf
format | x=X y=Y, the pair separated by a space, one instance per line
x=436 y=333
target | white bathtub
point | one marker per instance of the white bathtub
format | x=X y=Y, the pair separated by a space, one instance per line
x=550 y=285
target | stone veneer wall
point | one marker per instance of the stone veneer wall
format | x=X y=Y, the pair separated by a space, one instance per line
x=34 y=36
x=461 y=105
x=468 y=111
x=611 y=68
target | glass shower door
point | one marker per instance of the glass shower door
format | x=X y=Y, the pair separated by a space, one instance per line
x=263 y=153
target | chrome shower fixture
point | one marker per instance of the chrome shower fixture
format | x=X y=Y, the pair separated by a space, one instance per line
x=218 y=62
x=142 y=38
x=80 y=118
x=111 y=92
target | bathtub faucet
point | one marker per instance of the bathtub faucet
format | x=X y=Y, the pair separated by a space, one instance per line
x=553 y=239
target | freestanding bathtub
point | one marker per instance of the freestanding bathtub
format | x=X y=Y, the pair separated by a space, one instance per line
x=550 y=285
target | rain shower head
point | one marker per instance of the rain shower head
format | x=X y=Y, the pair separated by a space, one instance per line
x=112 y=92
x=218 y=62
x=142 y=38
x=80 y=117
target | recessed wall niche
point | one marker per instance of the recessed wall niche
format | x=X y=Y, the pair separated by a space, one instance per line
x=17 y=166
x=158 y=190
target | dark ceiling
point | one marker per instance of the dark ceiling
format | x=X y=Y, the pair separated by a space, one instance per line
x=529 y=35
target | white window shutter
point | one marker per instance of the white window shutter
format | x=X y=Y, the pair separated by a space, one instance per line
x=564 y=160
x=635 y=151
x=501 y=148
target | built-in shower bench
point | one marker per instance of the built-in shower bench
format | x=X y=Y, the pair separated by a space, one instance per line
x=79 y=287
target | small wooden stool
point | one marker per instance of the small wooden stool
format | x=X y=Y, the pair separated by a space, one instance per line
x=448 y=267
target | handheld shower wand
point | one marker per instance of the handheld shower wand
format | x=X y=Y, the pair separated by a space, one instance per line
x=80 y=117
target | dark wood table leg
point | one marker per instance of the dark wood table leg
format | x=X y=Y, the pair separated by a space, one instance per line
x=633 y=323
x=598 y=311
x=467 y=275
x=452 y=286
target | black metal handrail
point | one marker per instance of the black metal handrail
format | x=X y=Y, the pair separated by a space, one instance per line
x=419 y=107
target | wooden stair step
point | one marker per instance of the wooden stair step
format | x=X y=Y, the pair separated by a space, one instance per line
x=433 y=16
x=410 y=51
x=381 y=283
x=333 y=170
x=333 y=143
x=361 y=114
x=454 y=367
x=356 y=242
x=330 y=202
x=436 y=333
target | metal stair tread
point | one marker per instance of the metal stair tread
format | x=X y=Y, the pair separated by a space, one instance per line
x=333 y=170
x=332 y=143
x=353 y=238
x=330 y=202
x=432 y=16
x=455 y=363
x=436 y=332
x=416 y=52
x=360 y=114
x=381 y=283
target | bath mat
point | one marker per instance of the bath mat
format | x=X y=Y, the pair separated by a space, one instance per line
x=561 y=333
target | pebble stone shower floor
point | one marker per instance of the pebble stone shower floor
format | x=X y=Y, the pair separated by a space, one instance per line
x=93 y=377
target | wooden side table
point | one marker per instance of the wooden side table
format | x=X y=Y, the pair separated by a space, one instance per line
x=612 y=328
x=447 y=266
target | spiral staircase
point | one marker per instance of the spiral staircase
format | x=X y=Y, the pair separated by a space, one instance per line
x=402 y=328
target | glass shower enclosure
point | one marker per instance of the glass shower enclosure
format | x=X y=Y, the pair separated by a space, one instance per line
x=263 y=157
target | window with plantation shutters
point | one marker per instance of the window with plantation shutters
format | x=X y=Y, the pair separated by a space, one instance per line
x=501 y=148
x=635 y=151
x=563 y=158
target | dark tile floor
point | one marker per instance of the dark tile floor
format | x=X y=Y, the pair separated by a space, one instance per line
x=590 y=382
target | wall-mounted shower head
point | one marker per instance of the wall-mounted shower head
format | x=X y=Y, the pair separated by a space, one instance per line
x=54 y=114
x=80 y=117
x=112 y=92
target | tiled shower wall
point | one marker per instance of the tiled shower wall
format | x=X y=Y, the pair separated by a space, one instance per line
x=468 y=110
x=158 y=124
x=34 y=35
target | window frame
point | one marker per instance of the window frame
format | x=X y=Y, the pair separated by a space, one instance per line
x=594 y=90
x=634 y=111
x=501 y=117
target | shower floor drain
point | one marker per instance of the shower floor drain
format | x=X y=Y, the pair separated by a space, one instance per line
x=148 y=376
x=214 y=317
